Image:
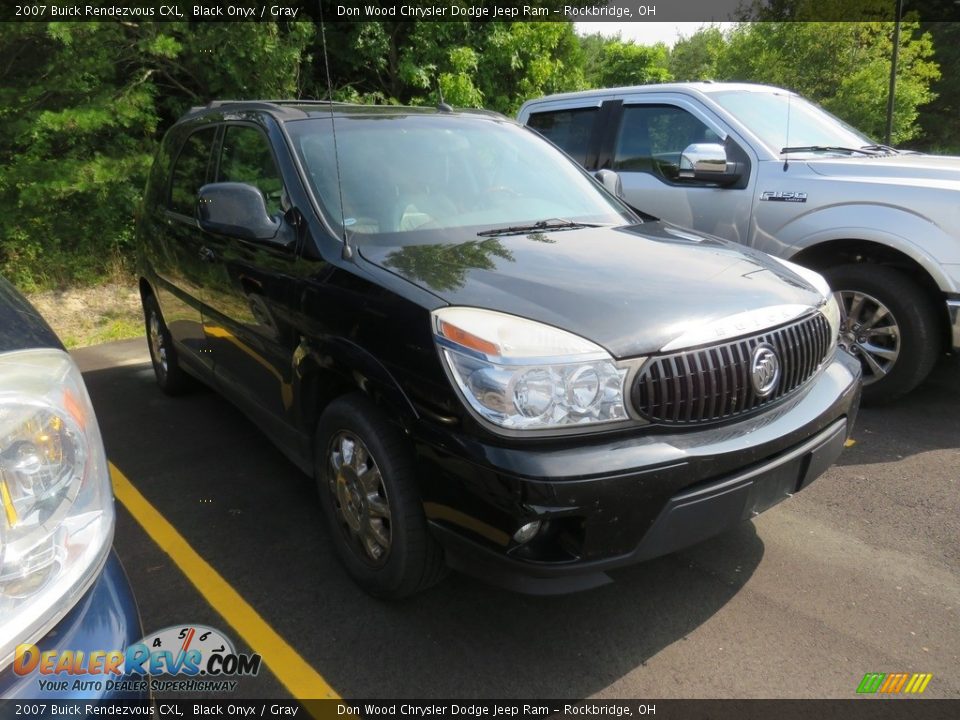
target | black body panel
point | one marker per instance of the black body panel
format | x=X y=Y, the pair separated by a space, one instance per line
x=21 y=326
x=287 y=326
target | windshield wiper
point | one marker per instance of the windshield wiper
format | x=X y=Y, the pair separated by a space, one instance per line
x=824 y=148
x=881 y=148
x=552 y=224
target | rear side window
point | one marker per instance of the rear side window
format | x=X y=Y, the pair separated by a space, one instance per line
x=190 y=171
x=568 y=129
x=246 y=158
x=652 y=137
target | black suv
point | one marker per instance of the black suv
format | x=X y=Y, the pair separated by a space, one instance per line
x=485 y=359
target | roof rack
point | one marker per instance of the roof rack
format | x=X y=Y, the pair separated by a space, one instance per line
x=293 y=108
x=261 y=104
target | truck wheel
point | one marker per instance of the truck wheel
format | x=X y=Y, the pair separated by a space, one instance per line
x=170 y=376
x=889 y=323
x=369 y=494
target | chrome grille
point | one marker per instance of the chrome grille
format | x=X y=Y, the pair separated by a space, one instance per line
x=714 y=383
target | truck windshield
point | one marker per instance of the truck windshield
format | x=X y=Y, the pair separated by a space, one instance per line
x=409 y=173
x=765 y=114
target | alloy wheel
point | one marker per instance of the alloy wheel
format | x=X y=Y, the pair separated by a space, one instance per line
x=157 y=345
x=360 y=497
x=870 y=332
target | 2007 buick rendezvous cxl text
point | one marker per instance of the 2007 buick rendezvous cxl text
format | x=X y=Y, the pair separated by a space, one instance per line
x=486 y=360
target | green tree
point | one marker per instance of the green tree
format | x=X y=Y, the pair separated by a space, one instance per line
x=78 y=122
x=941 y=132
x=519 y=61
x=695 y=58
x=82 y=108
x=843 y=66
x=613 y=62
x=492 y=64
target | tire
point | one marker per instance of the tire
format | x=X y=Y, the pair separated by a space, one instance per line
x=171 y=378
x=896 y=349
x=378 y=526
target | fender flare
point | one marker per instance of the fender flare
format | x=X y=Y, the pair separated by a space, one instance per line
x=889 y=226
x=327 y=368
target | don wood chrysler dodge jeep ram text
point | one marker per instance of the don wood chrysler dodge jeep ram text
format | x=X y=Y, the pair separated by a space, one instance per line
x=485 y=359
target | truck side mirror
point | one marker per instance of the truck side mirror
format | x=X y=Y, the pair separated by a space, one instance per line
x=707 y=162
x=611 y=181
x=235 y=209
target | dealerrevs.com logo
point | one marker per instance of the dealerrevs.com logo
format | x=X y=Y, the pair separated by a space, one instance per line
x=200 y=658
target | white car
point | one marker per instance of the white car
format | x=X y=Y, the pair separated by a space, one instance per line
x=764 y=167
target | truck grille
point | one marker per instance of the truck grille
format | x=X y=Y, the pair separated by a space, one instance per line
x=714 y=383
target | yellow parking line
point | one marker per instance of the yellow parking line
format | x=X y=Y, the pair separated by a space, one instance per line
x=300 y=679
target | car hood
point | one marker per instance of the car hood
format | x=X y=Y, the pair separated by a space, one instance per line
x=904 y=167
x=633 y=290
x=21 y=326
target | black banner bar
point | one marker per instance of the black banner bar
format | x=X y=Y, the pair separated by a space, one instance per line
x=864 y=708
x=616 y=11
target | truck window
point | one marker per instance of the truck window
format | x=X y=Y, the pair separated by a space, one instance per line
x=246 y=158
x=652 y=137
x=190 y=171
x=568 y=129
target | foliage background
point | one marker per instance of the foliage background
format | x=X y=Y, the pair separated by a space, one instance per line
x=83 y=105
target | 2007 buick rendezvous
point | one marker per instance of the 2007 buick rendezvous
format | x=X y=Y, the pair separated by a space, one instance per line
x=486 y=360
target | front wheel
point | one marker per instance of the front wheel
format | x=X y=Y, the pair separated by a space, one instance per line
x=889 y=323
x=370 y=498
x=163 y=355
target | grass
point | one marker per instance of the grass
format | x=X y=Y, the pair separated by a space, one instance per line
x=84 y=316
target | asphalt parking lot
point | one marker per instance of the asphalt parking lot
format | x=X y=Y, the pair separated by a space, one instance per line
x=859 y=573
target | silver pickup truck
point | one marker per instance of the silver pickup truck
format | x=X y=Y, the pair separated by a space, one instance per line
x=764 y=167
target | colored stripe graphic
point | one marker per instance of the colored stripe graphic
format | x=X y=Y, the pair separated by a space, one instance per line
x=871 y=682
x=919 y=681
x=893 y=683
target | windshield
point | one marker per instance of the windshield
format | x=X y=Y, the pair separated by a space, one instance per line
x=765 y=114
x=427 y=172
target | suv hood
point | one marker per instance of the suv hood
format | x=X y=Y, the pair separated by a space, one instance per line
x=21 y=326
x=900 y=167
x=632 y=290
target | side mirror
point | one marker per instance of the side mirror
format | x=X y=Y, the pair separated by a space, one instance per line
x=235 y=209
x=611 y=181
x=707 y=162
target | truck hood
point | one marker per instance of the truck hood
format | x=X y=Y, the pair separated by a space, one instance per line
x=900 y=167
x=633 y=290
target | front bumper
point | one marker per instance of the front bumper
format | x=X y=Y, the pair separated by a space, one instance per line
x=106 y=618
x=953 y=312
x=610 y=503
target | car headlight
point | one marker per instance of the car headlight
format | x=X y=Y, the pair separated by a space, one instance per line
x=523 y=375
x=56 y=505
x=829 y=308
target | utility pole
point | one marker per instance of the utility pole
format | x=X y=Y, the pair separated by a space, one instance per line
x=893 y=72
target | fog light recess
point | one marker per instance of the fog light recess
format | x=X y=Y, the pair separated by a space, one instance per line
x=527 y=532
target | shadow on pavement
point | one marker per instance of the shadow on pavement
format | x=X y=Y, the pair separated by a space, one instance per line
x=926 y=419
x=256 y=519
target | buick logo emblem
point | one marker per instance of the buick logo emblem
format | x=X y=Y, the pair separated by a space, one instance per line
x=764 y=369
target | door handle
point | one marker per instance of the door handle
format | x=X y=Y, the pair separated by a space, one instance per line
x=207 y=255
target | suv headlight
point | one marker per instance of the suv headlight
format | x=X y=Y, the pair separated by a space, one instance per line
x=56 y=505
x=831 y=311
x=523 y=375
